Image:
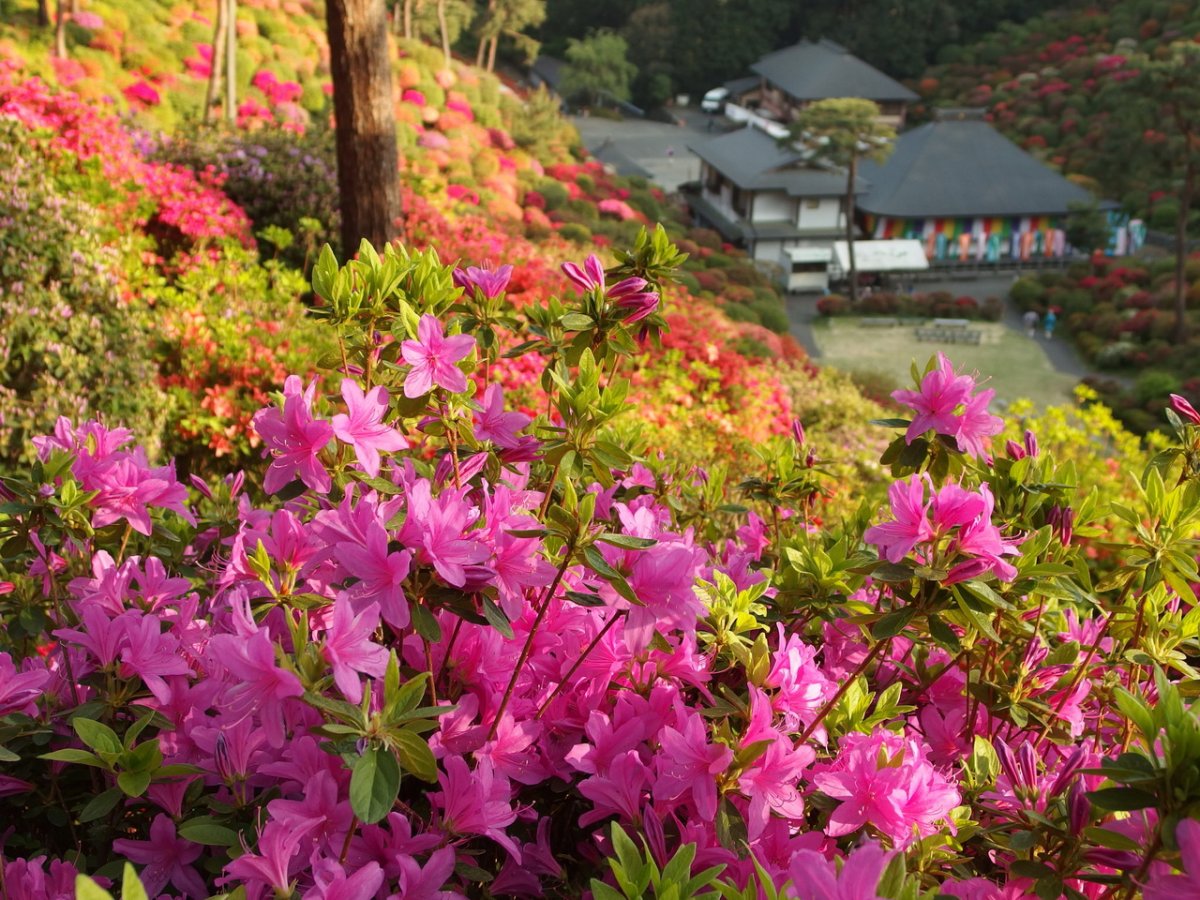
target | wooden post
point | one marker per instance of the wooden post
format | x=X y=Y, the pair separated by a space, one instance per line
x=363 y=104
x=213 y=94
x=60 y=30
x=444 y=28
x=231 y=64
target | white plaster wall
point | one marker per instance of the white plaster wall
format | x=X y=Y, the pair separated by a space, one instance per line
x=773 y=206
x=828 y=214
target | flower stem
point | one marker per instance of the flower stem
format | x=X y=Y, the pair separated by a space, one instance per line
x=833 y=701
x=578 y=662
x=533 y=629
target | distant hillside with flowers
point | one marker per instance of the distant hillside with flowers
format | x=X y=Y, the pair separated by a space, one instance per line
x=1053 y=85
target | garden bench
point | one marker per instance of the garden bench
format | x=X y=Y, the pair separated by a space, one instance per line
x=953 y=335
x=878 y=322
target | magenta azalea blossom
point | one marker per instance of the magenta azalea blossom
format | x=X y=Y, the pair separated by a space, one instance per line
x=350 y=650
x=166 y=858
x=295 y=438
x=910 y=524
x=589 y=277
x=433 y=357
x=493 y=424
x=1185 y=409
x=1179 y=887
x=490 y=282
x=363 y=428
x=941 y=393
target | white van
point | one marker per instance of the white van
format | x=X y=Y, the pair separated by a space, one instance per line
x=714 y=100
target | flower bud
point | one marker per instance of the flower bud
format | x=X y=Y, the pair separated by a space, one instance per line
x=1014 y=450
x=1185 y=409
x=798 y=432
x=1031 y=444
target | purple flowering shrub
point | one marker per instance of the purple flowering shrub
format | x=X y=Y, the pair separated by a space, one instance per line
x=436 y=647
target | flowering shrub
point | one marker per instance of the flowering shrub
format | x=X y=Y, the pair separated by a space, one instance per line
x=439 y=646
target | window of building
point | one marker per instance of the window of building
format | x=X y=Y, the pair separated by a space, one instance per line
x=799 y=267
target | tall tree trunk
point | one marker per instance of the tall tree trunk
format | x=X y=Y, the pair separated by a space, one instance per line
x=444 y=29
x=1181 y=242
x=408 y=18
x=481 y=53
x=60 y=30
x=363 y=105
x=491 y=65
x=232 y=64
x=212 y=96
x=75 y=7
x=850 y=228
x=43 y=13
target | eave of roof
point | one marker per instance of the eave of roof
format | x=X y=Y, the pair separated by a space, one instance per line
x=822 y=70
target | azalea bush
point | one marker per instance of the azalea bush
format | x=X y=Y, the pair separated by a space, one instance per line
x=438 y=646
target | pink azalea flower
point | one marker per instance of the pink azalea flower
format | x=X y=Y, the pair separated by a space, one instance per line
x=166 y=858
x=688 y=763
x=271 y=863
x=476 y=802
x=1187 y=885
x=885 y=781
x=813 y=877
x=910 y=524
x=433 y=357
x=976 y=425
x=262 y=687
x=490 y=282
x=1185 y=409
x=940 y=395
x=363 y=428
x=380 y=572
x=296 y=439
x=330 y=881
x=19 y=691
x=629 y=294
x=349 y=649
x=493 y=424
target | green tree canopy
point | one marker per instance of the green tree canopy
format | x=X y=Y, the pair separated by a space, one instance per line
x=843 y=131
x=1154 y=131
x=597 y=67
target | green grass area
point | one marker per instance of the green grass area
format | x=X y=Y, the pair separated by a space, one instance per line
x=1014 y=365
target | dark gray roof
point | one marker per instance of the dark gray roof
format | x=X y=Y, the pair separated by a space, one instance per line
x=754 y=161
x=964 y=168
x=548 y=70
x=739 y=86
x=607 y=153
x=818 y=71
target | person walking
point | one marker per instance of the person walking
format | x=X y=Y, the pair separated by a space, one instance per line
x=1049 y=322
x=1031 y=322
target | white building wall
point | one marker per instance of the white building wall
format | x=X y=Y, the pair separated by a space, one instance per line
x=826 y=214
x=768 y=251
x=773 y=206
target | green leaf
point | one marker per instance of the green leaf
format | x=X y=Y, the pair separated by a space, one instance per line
x=416 y=756
x=1111 y=839
x=208 y=831
x=426 y=625
x=1121 y=799
x=406 y=697
x=97 y=735
x=131 y=885
x=72 y=755
x=1028 y=868
x=87 y=889
x=496 y=618
x=584 y=599
x=628 y=541
x=893 y=623
x=374 y=784
x=576 y=322
x=134 y=783
x=100 y=805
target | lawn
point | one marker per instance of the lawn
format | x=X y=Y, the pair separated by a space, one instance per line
x=1014 y=365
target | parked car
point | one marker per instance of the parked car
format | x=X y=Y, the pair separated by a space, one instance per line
x=714 y=100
